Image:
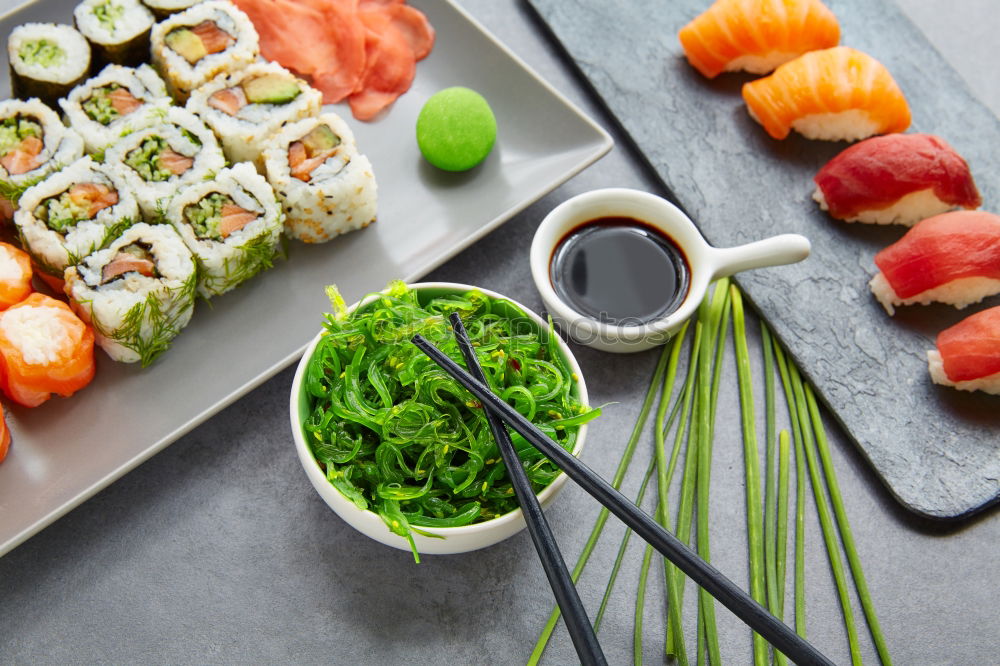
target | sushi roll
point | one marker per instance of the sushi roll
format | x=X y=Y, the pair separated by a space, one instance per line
x=326 y=187
x=163 y=8
x=172 y=151
x=107 y=106
x=950 y=258
x=118 y=30
x=33 y=144
x=194 y=46
x=231 y=224
x=34 y=366
x=837 y=94
x=46 y=60
x=246 y=107
x=73 y=213
x=756 y=35
x=895 y=179
x=138 y=293
x=967 y=356
x=15 y=275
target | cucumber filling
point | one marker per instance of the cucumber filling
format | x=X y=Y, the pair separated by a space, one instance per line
x=83 y=201
x=41 y=52
x=155 y=161
x=107 y=14
x=216 y=216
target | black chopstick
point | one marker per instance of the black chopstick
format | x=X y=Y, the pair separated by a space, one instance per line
x=780 y=635
x=577 y=622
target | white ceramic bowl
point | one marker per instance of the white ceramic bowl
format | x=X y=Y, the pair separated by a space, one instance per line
x=706 y=263
x=454 y=539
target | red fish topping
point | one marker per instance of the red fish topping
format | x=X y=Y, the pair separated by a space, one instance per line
x=174 y=162
x=24 y=158
x=126 y=262
x=96 y=196
x=228 y=100
x=123 y=101
x=971 y=348
x=878 y=172
x=213 y=38
x=234 y=218
x=941 y=249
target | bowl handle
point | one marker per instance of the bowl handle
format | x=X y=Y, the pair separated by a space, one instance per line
x=773 y=251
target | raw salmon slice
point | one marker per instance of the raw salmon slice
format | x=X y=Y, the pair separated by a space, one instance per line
x=24 y=158
x=127 y=263
x=228 y=100
x=301 y=164
x=234 y=218
x=95 y=195
x=756 y=35
x=174 y=162
x=213 y=38
x=123 y=101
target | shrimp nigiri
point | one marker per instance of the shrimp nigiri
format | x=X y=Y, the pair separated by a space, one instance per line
x=895 y=179
x=44 y=349
x=968 y=354
x=834 y=94
x=949 y=258
x=15 y=275
x=756 y=35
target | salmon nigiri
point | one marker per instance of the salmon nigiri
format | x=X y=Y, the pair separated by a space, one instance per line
x=756 y=35
x=15 y=275
x=44 y=349
x=968 y=354
x=950 y=258
x=896 y=179
x=835 y=94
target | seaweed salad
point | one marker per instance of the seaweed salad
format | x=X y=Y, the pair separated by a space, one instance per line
x=396 y=435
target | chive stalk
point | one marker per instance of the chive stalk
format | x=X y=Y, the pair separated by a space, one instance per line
x=781 y=530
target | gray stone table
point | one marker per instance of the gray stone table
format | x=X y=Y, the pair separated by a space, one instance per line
x=218 y=551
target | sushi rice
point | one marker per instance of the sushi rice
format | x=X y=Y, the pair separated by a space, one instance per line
x=906 y=211
x=46 y=60
x=90 y=112
x=226 y=258
x=55 y=227
x=118 y=30
x=340 y=194
x=959 y=293
x=136 y=316
x=244 y=133
x=183 y=74
x=142 y=154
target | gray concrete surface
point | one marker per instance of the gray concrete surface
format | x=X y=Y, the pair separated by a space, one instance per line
x=218 y=551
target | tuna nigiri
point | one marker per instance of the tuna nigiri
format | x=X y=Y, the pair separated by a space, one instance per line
x=15 y=275
x=834 y=94
x=895 y=179
x=756 y=35
x=968 y=354
x=949 y=258
x=44 y=349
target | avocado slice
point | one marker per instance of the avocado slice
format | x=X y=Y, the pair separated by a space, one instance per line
x=320 y=138
x=187 y=44
x=271 y=89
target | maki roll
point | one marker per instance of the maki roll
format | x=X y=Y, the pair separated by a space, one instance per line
x=73 y=213
x=107 y=106
x=163 y=8
x=33 y=144
x=232 y=225
x=118 y=30
x=138 y=293
x=46 y=60
x=326 y=187
x=171 y=150
x=247 y=106
x=199 y=43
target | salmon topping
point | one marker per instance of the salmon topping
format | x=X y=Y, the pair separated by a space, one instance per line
x=174 y=162
x=213 y=38
x=229 y=100
x=234 y=218
x=24 y=158
x=94 y=196
x=123 y=101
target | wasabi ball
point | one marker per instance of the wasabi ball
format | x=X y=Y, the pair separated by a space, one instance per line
x=456 y=129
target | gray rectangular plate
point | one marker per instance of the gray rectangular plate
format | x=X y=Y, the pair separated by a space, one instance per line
x=68 y=449
x=936 y=449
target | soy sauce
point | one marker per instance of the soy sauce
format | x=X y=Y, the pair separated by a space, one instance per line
x=619 y=271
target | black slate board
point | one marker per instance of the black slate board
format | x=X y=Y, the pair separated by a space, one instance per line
x=937 y=449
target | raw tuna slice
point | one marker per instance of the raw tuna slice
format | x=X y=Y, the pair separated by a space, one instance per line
x=968 y=354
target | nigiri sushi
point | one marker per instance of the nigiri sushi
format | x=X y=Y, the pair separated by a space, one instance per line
x=837 y=94
x=895 y=179
x=968 y=354
x=15 y=275
x=756 y=35
x=950 y=258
